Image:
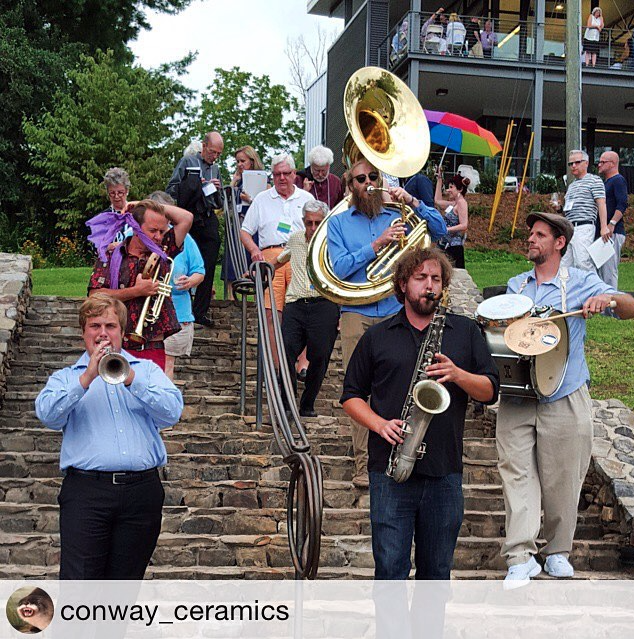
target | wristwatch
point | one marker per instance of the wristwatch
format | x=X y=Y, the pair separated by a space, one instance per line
x=612 y=222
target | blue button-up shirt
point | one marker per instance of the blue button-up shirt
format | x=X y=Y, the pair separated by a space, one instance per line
x=580 y=286
x=350 y=237
x=110 y=427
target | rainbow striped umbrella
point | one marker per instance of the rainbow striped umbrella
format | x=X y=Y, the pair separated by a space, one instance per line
x=461 y=134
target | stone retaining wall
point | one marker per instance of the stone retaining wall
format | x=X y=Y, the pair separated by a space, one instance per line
x=610 y=480
x=15 y=292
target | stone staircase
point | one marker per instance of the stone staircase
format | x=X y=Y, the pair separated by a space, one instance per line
x=224 y=515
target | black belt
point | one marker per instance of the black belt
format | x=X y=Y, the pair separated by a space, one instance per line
x=582 y=223
x=274 y=246
x=148 y=346
x=308 y=300
x=116 y=477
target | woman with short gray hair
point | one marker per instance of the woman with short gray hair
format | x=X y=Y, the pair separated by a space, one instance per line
x=117 y=183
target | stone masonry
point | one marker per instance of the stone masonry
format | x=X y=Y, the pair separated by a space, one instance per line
x=15 y=291
x=224 y=515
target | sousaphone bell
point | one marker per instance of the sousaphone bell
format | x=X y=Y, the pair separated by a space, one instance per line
x=387 y=127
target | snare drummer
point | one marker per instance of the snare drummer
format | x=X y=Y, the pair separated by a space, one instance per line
x=544 y=445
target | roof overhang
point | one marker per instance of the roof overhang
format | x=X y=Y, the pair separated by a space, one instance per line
x=322 y=7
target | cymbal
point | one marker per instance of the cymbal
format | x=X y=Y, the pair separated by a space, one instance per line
x=528 y=338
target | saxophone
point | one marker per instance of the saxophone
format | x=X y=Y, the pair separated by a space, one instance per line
x=425 y=398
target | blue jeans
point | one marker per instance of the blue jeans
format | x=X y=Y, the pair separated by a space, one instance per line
x=428 y=510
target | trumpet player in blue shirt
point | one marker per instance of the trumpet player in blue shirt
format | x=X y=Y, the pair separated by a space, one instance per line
x=355 y=237
x=111 y=497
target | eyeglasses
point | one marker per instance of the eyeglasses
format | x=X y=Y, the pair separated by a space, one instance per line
x=575 y=162
x=117 y=193
x=603 y=161
x=280 y=174
x=361 y=179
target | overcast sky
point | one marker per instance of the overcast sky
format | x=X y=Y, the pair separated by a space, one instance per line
x=250 y=34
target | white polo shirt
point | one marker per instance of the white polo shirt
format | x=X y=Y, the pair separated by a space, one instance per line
x=273 y=218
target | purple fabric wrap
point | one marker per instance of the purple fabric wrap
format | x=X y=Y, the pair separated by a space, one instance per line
x=104 y=228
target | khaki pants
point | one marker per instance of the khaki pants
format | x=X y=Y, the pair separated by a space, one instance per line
x=544 y=453
x=353 y=326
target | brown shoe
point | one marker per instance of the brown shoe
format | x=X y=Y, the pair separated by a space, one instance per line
x=361 y=481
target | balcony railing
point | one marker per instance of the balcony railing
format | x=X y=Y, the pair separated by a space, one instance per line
x=512 y=40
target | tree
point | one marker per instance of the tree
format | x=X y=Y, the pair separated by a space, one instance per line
x=110 y=115
x=32 y=66
x=307 y=61
x=98 y=24
x=248 y=109
x=40 y=40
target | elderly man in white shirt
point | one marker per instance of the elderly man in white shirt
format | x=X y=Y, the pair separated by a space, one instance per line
x=274 y=215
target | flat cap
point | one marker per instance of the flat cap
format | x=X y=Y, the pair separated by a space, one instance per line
x=557 y=221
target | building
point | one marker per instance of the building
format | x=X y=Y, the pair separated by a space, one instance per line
x=524 y=79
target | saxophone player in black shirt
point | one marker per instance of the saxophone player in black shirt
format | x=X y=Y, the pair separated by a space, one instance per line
x=427 y=507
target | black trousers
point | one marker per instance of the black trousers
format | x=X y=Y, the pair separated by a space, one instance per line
x=310 y=323
x=108 y=531
x=205 y=232
x=456 y=253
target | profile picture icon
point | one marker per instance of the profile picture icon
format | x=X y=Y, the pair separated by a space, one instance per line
x=30 y=610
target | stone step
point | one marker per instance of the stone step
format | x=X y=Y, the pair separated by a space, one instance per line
x=271 y=550
x=25 y=571
x=239 y=493
x=38 y=518
x=239 y=442
x=221 y=467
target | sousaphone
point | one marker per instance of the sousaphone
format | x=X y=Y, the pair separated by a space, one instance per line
x=387 y=126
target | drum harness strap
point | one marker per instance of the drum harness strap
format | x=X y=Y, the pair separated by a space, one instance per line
x=564 y=276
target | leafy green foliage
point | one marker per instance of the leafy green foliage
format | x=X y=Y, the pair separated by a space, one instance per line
x=110 y=115
x=33 y=60
x=39 y=42
x=545 y=183
x=488 y=182
x=248 y=109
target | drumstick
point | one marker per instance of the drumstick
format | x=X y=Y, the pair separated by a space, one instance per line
x=539 y=320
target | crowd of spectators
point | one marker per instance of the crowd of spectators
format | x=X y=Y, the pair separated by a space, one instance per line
x=448 y=35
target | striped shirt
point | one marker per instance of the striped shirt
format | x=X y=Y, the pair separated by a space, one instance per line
x=297 y=251
x=581 y=198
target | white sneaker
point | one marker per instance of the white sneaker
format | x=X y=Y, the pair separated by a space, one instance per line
x=558 y=566
x=520 y=574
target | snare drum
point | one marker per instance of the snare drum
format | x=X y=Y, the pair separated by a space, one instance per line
x=521 y=376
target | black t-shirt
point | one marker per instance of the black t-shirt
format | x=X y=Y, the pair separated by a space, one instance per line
x=473 y=28
x=381 y=368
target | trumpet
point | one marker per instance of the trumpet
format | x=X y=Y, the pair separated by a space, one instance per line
x=153 y=304
x=113 y=367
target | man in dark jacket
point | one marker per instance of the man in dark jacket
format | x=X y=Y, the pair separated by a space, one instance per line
x=195 y=185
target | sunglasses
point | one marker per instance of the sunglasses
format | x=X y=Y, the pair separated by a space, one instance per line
x=575 y=162
x=361 y=179
x=603 y=161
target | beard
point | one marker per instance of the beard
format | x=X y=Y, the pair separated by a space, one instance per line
x=422 y=305
x=538 y=258
x=369 y=203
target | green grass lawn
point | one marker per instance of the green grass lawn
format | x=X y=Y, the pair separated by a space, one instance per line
x=73 y=282
x=609 y=345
